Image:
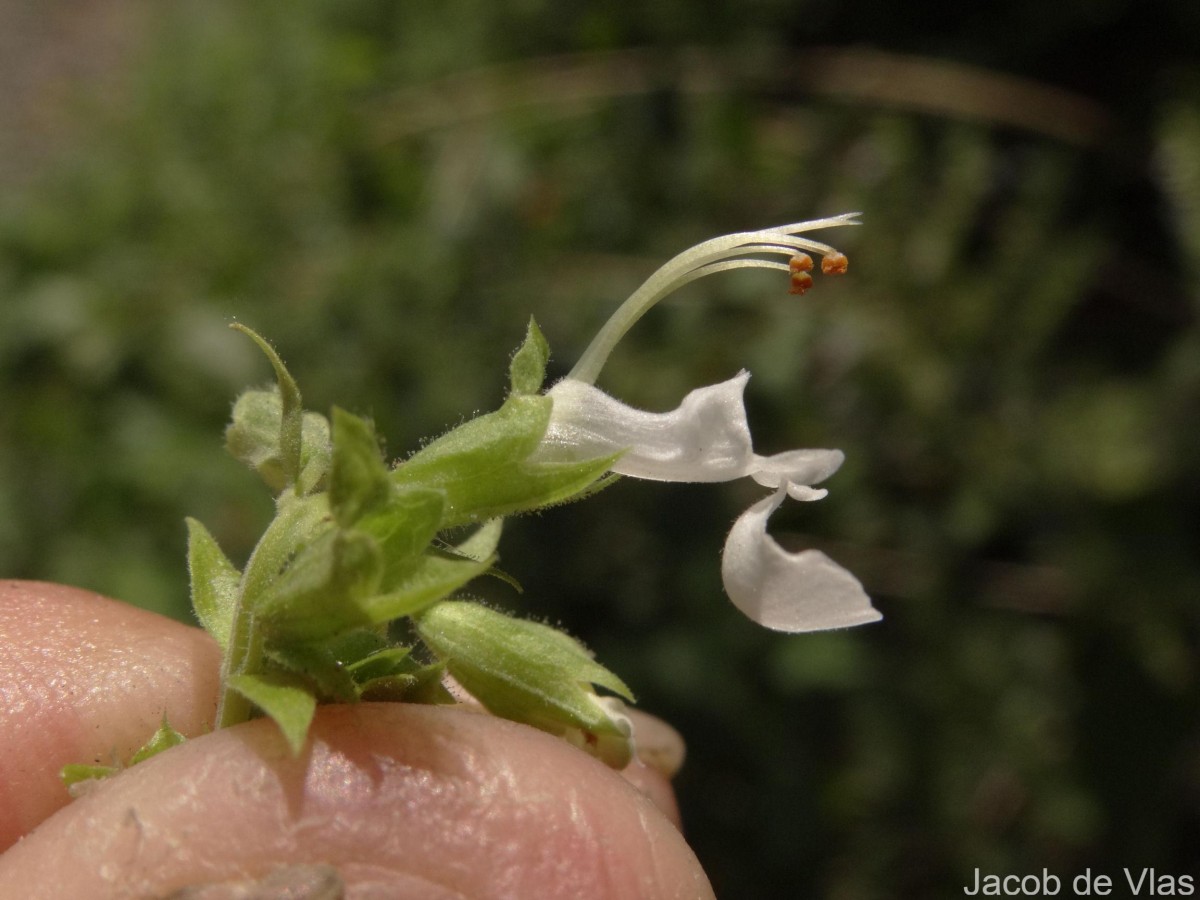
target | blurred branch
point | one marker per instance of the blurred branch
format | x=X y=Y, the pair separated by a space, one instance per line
x=871 y=77
x=954 y=90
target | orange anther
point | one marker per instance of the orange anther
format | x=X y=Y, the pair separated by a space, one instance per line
x=801 y=282
x=834 y=264
x=801 y=262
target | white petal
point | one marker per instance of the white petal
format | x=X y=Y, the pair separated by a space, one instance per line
x=804 y=493
x=800 y=467
x=791 y=592
x=706 y=438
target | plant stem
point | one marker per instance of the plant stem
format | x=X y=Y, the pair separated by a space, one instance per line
x=244 y=656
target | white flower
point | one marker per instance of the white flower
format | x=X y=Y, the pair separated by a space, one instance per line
x=707 y=439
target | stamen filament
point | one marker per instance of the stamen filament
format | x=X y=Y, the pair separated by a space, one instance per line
x=707 y=258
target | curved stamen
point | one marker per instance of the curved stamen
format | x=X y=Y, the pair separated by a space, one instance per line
x=715 y=255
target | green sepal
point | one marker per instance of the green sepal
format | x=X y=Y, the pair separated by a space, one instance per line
x=214 y=581
x=483 y=466
x=433 y=578
x=351 y=647
x=318 y=594
x=388 y=661
x=520 y=670
x=422 y=685
x=76 y=773
x=298 y=521
x=483 y=543
x=393 y=674
x=527 y=371
x=253 y=437
x=428 y=687
x=285 y=698
x=319 y=666
x=404 y=528
x=164 y=738
x=358 y=477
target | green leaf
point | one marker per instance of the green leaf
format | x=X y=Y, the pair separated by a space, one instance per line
x=482 y=466
x=358 y=478
x=164 y=739
x=253 y=437
x=291 y=409
x=521 y=670
x=214 y=581
x=283 y=697
x=528 y=368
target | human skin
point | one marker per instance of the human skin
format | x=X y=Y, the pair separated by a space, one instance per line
x=401 y=800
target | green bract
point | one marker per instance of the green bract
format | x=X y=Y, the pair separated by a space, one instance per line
x=356 y=544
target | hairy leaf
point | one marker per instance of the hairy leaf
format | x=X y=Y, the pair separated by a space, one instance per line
x=215 y=583
x=283 y=697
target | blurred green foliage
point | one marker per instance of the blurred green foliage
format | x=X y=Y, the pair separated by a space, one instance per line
x=1012 y=366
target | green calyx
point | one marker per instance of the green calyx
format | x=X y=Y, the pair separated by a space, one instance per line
x=525 y=671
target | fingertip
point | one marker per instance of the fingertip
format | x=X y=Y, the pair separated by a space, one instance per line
x=432 y=800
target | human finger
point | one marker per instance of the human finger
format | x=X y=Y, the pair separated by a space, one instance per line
x=87 y=679
x=391 y=800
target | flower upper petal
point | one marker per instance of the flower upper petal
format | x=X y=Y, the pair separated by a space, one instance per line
x=790 y=592
x=706 y=438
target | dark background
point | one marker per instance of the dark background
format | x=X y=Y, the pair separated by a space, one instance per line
x=388 y=190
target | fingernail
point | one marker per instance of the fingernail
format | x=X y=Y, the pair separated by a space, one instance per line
x=657 y=744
